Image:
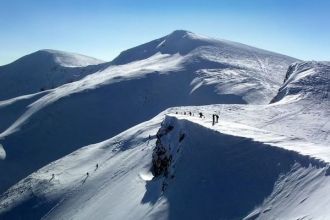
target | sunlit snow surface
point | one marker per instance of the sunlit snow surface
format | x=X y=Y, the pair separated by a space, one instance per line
x=104 y=99
x=261 y=161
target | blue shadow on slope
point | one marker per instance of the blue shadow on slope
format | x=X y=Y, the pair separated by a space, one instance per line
x=221 y=176
x=33 y=208
x=97 y=114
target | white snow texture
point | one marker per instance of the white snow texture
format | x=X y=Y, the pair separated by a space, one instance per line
x=82 y=138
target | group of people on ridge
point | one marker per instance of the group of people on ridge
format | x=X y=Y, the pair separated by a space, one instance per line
x=215 y=117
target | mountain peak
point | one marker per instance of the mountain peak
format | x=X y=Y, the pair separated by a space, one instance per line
x=184 y=34
x=183 y=42
x=42 y=70
x=50 y=51
x=179 y=41
x=68 y=59
x=180 y=33
x=56 y=57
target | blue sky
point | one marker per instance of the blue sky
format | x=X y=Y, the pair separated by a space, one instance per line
x=103 y=28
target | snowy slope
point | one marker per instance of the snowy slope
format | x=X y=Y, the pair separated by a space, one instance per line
x=306 y=80
x=231 y=68
x=42 y=70
x=258 y=162
x=195 y=70
x=299 y=118
x=213 y=175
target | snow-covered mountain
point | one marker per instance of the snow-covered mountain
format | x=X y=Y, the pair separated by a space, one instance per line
x=244 y=167
x=130 y=90
x=43 y=70
x=225 y=66
x=258 y=160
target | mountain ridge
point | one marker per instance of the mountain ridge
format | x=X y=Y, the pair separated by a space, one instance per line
x=179 y=41
x=101 y=99
x=90 y=148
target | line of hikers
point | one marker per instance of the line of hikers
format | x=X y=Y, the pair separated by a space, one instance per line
x=215 y=117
